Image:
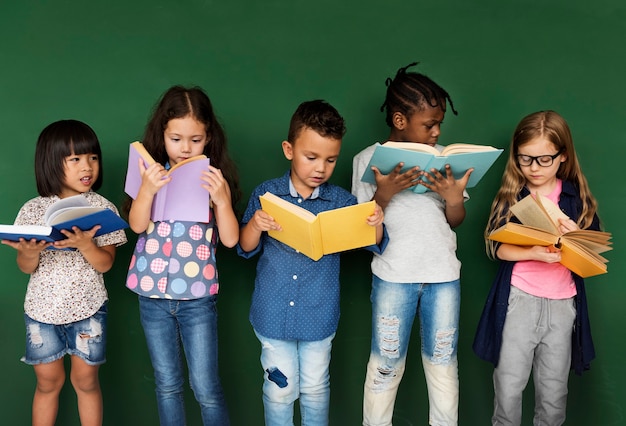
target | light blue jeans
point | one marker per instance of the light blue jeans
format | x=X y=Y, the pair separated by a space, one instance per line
x=537 y=336
x=394 y=307
x=192 y=324
x=296 y=369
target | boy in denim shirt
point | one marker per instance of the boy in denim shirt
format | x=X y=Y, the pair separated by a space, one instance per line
x=295 y=304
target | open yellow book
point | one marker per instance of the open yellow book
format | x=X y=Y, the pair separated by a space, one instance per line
x=331 y=231
x=580 y=250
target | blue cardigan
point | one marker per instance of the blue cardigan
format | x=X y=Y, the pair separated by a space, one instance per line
x=488 y=338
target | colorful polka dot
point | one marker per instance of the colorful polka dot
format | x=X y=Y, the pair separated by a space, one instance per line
x=179 y=286
x=198 y=289
x=203 y=252
x=192 y=269
x=195 y=232
x=146 y=283
x=141 y=244
x=179 y=229
x=164 y=229
x=142 y=264
x=162 y=284
x=152 y=246
x=184 y=249
x=158 y=265
x=209 y=272
x=214 y=289
x=131 y=281
x=174 y=266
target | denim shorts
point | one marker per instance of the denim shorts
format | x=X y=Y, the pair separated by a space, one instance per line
x=86 y=339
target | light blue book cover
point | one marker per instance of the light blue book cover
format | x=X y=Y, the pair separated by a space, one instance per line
x=387 y=156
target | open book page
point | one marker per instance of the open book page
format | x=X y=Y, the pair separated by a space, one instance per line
x=63 y=206
x=451 y=149
x=531 y=211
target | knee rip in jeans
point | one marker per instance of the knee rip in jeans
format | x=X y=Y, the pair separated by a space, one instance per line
x=93 y=334
x=443 y=346
x=384 y=376
x=388 y=338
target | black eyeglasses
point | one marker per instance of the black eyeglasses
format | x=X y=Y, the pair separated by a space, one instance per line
x=542 y=160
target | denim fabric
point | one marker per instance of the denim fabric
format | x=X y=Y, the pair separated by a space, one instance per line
x=296 y=369
x=296 y=298
x=537 y=336
x=394 y=307
x=192 y=324
x=85 y=338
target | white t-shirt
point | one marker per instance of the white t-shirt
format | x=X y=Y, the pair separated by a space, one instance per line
x=422 y=246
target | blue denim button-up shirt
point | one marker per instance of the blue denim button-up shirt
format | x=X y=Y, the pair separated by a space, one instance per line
x=295 y=297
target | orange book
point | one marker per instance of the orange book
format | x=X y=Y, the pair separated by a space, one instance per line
x=580 y=250
x=331 y=231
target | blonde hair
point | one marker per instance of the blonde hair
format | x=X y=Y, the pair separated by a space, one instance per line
x=551 y=126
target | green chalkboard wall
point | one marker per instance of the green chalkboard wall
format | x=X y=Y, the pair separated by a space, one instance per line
x=107 y=62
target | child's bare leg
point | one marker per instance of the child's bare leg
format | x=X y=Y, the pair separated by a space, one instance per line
x=84 y=378
x=50 y=379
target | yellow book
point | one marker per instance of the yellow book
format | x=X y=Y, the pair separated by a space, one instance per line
x=580 y=250
x=331 y=231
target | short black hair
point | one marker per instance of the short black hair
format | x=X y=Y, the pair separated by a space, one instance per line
x=411 y=91
x=319 y=116
x=56 y=142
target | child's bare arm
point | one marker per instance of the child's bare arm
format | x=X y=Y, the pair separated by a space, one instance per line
x=515 y=253
x=451 y=190
x=250 y=234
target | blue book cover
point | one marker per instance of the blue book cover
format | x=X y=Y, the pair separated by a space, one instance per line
x=65 y=214
x=460 y=157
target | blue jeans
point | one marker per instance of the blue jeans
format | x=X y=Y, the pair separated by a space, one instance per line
x=296 y=369
x=394 y=307
x=192 y=324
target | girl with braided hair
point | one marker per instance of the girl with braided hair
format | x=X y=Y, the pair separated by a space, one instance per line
x=418 y=273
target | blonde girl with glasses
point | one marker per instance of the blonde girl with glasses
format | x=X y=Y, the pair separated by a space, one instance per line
x=535 y=318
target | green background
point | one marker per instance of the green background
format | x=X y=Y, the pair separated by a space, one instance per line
x=107 y=62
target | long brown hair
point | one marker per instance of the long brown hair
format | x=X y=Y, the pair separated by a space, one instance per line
x=551 y=126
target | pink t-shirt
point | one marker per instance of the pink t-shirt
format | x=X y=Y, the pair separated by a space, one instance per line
x=549 y=280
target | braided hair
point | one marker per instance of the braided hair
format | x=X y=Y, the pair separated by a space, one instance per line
x=410 y=91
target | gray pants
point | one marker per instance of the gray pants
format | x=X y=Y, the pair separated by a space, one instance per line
x=537 y=336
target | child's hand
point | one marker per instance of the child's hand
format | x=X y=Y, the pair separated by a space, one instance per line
x=81 y=240
x=549 y=254
x=153 y=177
x=377 y=217
x=217 y=186
x=567 y=225
x=29 y=248
x=446 y=186
x=261 y=221
x=397 y=181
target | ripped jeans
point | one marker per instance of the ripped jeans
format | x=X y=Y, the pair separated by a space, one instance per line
x=296 y=369
x=85 y=339
x=394 y=307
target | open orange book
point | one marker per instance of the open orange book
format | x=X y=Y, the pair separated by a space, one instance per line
x=580 y=250
x=331 y=231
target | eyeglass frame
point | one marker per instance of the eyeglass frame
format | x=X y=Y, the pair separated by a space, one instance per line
x=536 y=159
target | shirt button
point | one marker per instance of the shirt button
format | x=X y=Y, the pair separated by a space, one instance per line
x=299 y=200
x=291 y=303
x=295 y=277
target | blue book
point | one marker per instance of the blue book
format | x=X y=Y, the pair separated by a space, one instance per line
x=461 y=157
x=65 y=214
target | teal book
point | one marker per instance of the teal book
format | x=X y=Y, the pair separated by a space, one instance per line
x=65 y=214
x=460 y=156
